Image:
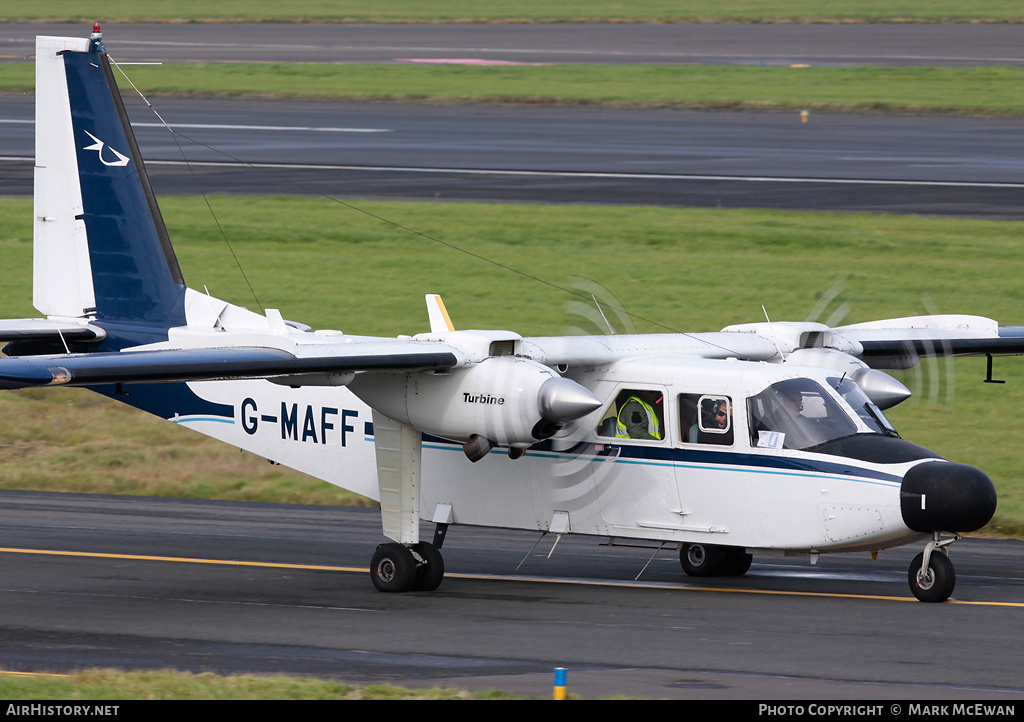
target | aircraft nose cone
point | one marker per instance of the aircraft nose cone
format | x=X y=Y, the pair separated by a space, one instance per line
x=563 y=400
x=943 y=496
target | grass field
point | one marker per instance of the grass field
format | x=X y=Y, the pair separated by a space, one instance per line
x=110 y=685
x=990 y=90
x=332 y=267
x=521 y=11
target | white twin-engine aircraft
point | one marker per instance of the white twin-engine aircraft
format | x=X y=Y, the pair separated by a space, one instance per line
x=765 y=438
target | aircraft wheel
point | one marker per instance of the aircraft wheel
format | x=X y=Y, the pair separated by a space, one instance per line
x=711 y=560
x=393 y=568
x=701 y=560
x=934 y=584
x=430 y=574
x=738 y=563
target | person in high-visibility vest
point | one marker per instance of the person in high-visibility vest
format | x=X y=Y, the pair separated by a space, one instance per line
x=638 y=417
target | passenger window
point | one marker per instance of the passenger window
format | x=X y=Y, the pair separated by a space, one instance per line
x=636 y=414
x=705 y=419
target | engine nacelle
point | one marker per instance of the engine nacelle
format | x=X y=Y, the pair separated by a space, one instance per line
x=508 y=400
x=883 y=390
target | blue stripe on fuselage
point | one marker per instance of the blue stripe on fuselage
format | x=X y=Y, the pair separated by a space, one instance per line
x=700 y=459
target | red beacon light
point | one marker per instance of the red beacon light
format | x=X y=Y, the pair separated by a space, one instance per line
x=96 y=33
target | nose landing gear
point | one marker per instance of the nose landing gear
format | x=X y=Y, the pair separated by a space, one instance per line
x=931 y=574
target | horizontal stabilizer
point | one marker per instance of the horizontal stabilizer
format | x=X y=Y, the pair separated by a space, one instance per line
x=41 y=329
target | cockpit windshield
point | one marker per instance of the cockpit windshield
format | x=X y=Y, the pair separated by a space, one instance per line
x=800 y=414
x=870 y=414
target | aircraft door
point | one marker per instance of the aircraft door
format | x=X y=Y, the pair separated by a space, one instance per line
x=710 y=489
x=631 y=466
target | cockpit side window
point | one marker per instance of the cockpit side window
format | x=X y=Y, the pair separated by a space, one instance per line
x=706 y=419
x=636 y=414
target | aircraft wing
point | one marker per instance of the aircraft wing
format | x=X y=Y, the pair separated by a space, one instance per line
x=900 y=343
x=206 y=364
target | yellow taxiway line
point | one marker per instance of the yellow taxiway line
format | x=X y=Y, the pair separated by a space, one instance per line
x=541 y=580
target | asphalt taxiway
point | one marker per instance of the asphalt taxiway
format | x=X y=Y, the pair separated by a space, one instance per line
x=134 y=582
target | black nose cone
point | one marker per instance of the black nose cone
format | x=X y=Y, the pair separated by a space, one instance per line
x=943 y=496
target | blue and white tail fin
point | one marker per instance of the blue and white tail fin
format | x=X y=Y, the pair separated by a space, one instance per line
x=101 y=250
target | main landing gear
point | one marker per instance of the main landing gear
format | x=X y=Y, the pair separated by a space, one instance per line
x=399 y=568
x=931 y=574
x=711 y=560
x=413 y=565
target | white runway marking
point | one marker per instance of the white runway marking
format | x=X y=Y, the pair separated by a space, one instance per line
x=222 y=126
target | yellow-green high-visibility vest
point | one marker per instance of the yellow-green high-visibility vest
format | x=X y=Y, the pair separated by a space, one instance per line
x=653 y=428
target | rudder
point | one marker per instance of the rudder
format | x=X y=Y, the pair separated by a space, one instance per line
x=101 y=249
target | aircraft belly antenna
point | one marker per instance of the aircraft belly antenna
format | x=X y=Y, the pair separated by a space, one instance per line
x=660 y=547
x=539 y=540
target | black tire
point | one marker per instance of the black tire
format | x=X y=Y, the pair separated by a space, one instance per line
x=711 y=560
x=701 y=560
x=738 y=563
x=430 y=574
x=393 y=568
x=938 y=583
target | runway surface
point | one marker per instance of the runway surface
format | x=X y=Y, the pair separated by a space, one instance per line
x=782 y=44
x=137 y=582
x=873 y=163
x=886 y=164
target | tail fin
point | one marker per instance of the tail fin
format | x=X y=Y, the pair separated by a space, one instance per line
x=101 y=249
